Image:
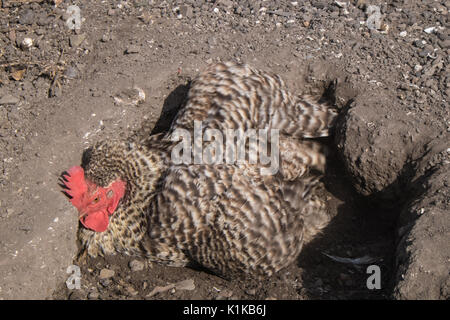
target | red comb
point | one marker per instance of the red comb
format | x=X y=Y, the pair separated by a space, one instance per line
x=76 y=185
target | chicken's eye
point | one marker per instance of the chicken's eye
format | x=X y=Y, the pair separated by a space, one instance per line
x=96 y=199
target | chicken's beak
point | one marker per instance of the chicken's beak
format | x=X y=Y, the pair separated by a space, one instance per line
x=81 y=214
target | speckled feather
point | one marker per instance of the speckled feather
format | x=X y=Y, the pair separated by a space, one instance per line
x=227 y=218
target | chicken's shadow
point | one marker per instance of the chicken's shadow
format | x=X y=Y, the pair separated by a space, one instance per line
x=172 y=105
x=359 y=227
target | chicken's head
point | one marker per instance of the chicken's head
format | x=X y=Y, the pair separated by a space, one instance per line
x=95 y=204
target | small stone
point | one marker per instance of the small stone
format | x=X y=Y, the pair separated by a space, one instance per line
x=106 y=273
x=105 y=282
x=186 y=11
x=132 y=49
x=443 y=36
x=27 y=17
x=251 y=292
x=320 y=4
x=105 y=38
x=361 y=4
x=112 y=12
x=77 y=295
x=93 y=295
x=136 y=265
x=76 y=39
x=430 y=83
x=40 y=31
x=26 y=43
x=429 y=48
x=430 y=30
x=340 y=4
x=421 y=99
x=403 y=34
x=186 y=285
x=9 y=212
x=225 y=3
x=418 y=68
x=9 y=100
x=131 y=290
x=401 y=96
x=225 y=294
x=424 y=53
x=130 y=96
x=419 y=43
x=445 y=44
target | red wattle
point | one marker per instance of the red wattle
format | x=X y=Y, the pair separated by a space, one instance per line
x=97 y=221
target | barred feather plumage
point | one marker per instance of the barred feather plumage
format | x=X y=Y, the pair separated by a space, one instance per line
x=226 y=217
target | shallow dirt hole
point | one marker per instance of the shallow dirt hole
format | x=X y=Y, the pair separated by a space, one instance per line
x=360 y=228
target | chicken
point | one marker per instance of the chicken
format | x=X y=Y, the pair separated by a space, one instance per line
x=227 y=217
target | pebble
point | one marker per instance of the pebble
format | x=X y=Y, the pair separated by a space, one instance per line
x=320 y=4
x=418 y=68
x=9 y=100
x=93 y=295
x=187 y=284
x=76 y=39
x=225 y=3
x=132 y=48
x=186 y=11
x=224 y=294
x=424 y=53
x=419 y=43
x=105 y=38
x=77 y=295
x=73 y=17
x=136 y=265
x=443 y=36
x=26 y=44
x=445 y=44
x=430 y=30
x=105 y=282
x=132 y=291
x=251 y=292
x=106 y=273
x=27 y=17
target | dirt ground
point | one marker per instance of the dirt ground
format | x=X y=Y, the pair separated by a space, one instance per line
x=387 y=178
